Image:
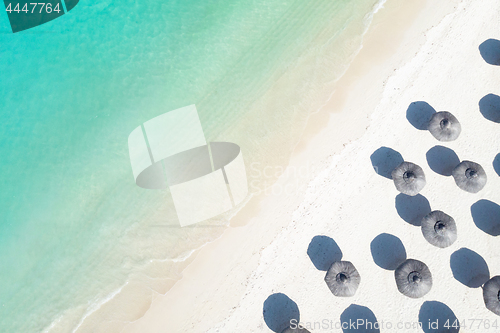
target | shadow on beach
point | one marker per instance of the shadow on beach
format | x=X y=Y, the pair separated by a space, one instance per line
x=384 y=160
x=490 y=51
x=412 y=209
x=419 y=113
x=323 y=252
x=435 y=315
x=496 y=164
x=489 y=106
x=442 y=160
x=469 y=268
x=486 y=216
x=278 y=311
x=363 y=317
x=388 y=251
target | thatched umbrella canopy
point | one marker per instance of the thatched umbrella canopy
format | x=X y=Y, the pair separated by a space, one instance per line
x=470 y=176
x=413 y=278
x=491 y=294
x=295 y=330
x=444 y=126
x=439 y=229
x=343 y=279
x=409 y=178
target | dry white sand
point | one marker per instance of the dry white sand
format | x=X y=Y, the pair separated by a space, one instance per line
x=431 y=56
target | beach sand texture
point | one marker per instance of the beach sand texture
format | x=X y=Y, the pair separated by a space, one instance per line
x=426 y=60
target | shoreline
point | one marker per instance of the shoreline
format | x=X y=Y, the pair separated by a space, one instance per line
x=355 y=79
x=288 y=88
x=358 y=214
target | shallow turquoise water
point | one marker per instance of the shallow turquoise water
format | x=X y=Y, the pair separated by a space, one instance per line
x=73 y=225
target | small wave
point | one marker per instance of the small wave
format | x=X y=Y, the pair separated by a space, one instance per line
x=97 y=305
x=53 y=324
x=378 y=6
x=181 y=258
x=369 y=16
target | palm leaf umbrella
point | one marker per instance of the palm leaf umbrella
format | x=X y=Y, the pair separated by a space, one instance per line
x=439 y=229
x=469 y=176
x=491 y=294
x=343 y=279
x=413 y=278
x=444 y=126
x=409 y=178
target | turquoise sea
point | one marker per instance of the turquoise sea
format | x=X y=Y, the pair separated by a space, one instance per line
x=75 y=230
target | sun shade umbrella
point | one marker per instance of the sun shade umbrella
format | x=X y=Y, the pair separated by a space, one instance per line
x=409 y=178
x=491 y=295
x=413 y=278
x=439 y=229
x=444 y=126
x=469 y=176
x=343 y=279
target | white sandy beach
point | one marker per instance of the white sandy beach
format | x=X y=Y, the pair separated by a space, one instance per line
x=413 y=52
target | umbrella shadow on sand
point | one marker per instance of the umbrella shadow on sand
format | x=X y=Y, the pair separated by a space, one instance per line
x=469 y=268
x=496 y=164
x=385 y=160
x=364 y=318
x=278 y=311
x=442 y=160
x=486 y=216
x=489 y=106
x=323 y=252
x=412 y=209
x=435 y=315
x=490 y=51
x=388 y=251
x=419 y=113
